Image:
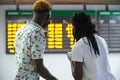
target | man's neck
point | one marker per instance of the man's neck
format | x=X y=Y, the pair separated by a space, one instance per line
x=38 y=22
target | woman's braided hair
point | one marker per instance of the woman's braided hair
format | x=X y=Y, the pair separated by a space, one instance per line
x=84 y=28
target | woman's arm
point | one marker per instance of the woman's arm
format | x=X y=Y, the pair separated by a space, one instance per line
x=78 y=70
x=76 y=67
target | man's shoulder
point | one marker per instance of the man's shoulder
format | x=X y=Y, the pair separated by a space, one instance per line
x=34 y=26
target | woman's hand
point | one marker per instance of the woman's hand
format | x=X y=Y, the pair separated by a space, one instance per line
x=69 y=55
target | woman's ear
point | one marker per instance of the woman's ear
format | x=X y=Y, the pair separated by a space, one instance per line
x=73 y=31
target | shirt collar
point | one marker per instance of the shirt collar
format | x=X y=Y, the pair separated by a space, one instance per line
x=33 y=23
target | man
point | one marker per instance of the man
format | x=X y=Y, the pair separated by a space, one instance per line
x=30 y=45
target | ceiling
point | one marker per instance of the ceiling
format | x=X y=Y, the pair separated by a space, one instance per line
x=60 y=1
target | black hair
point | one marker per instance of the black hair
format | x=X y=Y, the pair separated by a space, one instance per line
x=41 y=11
x=84 y=28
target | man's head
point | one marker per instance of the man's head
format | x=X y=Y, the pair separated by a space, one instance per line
x=41 y=12
x=42 y=5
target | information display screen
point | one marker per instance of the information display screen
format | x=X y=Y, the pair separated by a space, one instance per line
x=109 y=28
x=60 y=38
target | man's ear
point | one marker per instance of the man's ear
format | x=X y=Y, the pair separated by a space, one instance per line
x=47 y=16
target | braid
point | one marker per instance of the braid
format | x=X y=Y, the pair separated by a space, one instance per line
x=91 y=40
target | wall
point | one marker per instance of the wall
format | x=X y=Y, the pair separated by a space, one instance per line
x=58 y=64
x=61 y=1
x=7 y=62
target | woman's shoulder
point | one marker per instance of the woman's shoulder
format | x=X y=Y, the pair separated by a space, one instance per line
x=98 y=37
x=82 y=42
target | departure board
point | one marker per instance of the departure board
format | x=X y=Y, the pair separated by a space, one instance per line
x=109 y=28
x=60 y=38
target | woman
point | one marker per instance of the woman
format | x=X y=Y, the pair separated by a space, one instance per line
x=89 y=54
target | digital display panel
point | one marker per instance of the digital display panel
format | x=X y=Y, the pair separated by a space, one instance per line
x=60 y=38
x=109 y=28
